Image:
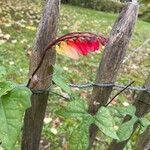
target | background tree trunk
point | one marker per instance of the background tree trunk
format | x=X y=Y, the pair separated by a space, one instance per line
x=142 y=104
x=111 y=60
x=34 y=116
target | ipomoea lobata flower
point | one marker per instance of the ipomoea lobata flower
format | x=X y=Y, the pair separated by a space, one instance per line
x=82 y=44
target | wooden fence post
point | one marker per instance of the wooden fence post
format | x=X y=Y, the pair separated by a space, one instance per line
x=112 y=59
x=142 y=104
x=34 y=116
x=144 y=141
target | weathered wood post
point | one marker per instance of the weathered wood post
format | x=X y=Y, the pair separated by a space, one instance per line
x=142 y=104
x=112 y=59
x=34 y=116
x=144 y=141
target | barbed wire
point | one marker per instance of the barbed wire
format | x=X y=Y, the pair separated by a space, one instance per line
x=91 y=85
x=115 y=86
x=101 y=85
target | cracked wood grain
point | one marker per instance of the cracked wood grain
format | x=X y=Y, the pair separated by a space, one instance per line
x=111 y=60
x=33 y=120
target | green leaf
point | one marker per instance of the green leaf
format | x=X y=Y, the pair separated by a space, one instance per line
x=12 y=107
x=59 y=80
x=126 y=129
x=128 y=110
x=78 y=106
x=79 y=138
x=122 y=111
x=105 y=122
x=144 y=124
x=75 y=108
x=2 y=71
x=5 y=87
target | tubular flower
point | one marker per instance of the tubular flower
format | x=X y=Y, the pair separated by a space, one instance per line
x=82 y=45
x=72 y=45
x=67 y=50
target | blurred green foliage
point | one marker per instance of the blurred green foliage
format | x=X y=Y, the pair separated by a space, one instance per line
x=112 y=6
x=144 y=13
x=102 y=5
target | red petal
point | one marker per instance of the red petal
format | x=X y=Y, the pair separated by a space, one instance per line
x=96 y=45
x=77 y=45
x=84 y=46
x=81 y=47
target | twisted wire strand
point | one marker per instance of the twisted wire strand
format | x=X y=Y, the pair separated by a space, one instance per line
x=102 y=85
x=91 y=85
x=116 y=86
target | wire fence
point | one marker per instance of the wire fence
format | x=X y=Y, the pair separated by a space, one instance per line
x=101 y=85
x=105 y=85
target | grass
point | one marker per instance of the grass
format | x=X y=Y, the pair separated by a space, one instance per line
x=71 y=19
x=22 y=29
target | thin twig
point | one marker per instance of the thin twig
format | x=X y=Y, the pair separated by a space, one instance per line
x=67 y=98
x=119 y=93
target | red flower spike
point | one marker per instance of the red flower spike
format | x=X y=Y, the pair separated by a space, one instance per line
x=73 y=45
x=79 y=43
